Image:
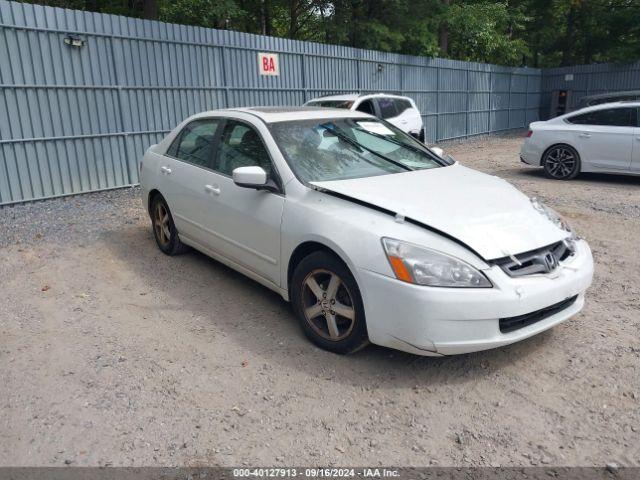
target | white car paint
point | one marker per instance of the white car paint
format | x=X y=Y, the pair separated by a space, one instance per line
x=409 y=120
x=465 y=214
x=602 y=148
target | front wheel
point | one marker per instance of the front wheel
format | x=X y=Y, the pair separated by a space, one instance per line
x=561 y=162
x=327 y=302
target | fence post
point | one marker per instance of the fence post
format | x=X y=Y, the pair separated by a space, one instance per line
x=490 y=109
x=358 y=82
x=509 y=102
x=437 y=103
x=224 y=76
x=303 y=74
x=466 y=116
x=131 y=173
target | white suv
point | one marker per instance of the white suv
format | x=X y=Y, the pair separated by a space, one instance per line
x=399 y=111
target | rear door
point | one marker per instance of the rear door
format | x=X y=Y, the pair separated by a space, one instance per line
x=605 y=137
x=188 y=158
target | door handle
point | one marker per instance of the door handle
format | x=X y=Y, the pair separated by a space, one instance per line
x=213 y=189
x=585 y=135
x=166 y=170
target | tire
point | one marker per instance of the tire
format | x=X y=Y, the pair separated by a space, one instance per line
x=165 y=231
x=561 y=162
x=332 y=321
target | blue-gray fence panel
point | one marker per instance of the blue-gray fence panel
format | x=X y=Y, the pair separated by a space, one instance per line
x=584 y=80
x=77 y=119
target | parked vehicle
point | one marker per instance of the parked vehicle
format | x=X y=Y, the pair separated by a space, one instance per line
x=604 y=138
x=399 y=111
x=610 y=97
x=368 y=233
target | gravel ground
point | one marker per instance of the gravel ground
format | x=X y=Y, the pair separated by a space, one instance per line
x=114 y=354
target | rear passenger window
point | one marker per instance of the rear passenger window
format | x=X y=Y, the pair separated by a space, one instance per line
x=613 y=117
x=387 y=107
x=195 y=143
x=402 y=105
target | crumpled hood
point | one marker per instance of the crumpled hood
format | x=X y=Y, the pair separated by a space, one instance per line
x=485 y=212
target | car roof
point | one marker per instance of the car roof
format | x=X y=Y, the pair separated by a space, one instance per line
x=611 y=95
x=284 y=114
x=357 y=96
x=601 y=106
x=345 y=97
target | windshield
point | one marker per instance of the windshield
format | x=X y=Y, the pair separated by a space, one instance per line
x=331 y=103
x=343 y=148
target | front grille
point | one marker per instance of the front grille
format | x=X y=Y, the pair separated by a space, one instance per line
x=541 y=260
x=515 y=323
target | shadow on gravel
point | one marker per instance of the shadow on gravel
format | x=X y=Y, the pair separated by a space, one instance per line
x=600 y=178
x=262 y=323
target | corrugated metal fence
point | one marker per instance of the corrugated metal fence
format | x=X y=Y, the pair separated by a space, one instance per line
x=77 y=119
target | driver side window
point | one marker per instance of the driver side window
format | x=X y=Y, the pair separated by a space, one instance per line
x=241 y=146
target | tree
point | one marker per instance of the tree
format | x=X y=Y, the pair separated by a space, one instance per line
x=540 y=33
x=487 y=32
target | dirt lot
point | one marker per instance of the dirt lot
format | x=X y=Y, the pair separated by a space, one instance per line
x=113 y=354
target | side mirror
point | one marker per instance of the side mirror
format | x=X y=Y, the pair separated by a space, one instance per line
x=438 y=151
x=253 y=177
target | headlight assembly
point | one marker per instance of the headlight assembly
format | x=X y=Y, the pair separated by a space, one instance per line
x=423 y=266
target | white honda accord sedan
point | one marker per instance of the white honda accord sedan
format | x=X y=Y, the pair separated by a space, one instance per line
x=369 y=234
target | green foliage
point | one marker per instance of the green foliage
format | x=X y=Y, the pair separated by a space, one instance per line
x=487 y=32
x=204 y=13
x=540 y=33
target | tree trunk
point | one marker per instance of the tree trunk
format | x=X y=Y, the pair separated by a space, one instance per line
x=265 y=18
x=92 y=5
x=567 y=54
x=443 y=31
x=150 y=9
x=293 y=18
x=353 y=29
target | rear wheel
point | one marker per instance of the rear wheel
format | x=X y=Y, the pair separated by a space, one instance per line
x=561 y=162
x=327 y=302
x=164 y=230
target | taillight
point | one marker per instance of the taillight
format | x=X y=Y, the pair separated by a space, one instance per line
x=529 y=133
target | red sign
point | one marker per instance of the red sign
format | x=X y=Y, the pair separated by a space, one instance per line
x=268 y=64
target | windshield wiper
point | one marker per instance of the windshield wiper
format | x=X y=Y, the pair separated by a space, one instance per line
x=359 y=146
x=395 y=142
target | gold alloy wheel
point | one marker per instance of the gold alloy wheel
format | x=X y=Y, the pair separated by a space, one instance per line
x=161 y=224
x=328 y=305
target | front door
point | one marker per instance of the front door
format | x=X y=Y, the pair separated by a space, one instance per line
x=243 y=224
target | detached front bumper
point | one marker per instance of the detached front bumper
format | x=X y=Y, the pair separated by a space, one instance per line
x=447 y=321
